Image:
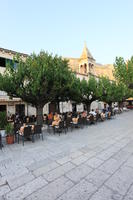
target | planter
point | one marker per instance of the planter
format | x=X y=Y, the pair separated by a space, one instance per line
x=10 y=139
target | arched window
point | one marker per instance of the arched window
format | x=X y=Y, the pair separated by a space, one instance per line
x=81 y=69
x=85 y=68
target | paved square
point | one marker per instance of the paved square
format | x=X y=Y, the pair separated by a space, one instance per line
x=93 y=163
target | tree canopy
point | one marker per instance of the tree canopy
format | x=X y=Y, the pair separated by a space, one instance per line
x=124 y=71
x=37 y=80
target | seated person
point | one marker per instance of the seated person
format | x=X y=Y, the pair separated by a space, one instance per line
x=56 y=121
x=69 y=114
x=109 y=114
x=21 y=130
x=84 y=114
x=102 y=116
x=45 y=118
x=92 y=112
x=50 y=116
x=97 y=111
x=75 y=119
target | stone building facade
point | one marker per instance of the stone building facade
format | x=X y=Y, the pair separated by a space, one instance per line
x=83 y=66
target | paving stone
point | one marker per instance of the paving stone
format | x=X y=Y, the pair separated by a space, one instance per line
x=4 y=189
x=121 y=156
x=75 y=154
x=79 y=160
x=110 y=166
x=3 y=181
x=79 y=172
x=64 y=160
x=85 y=149
x=82 y=191
x=129 y=195
x=121 y=180
x=1 y=198
x=59 y=171
x=97 y=177
x=45 y=169
x=69 y=157
x=105 y=193
x=129 y=162
x=129 y=147
x=90 y=154
x=14 y=171
x=25 y=190
x=37 y=165
x=106 y=154
x=94 y=162
x=52 y=190
x=21 y=180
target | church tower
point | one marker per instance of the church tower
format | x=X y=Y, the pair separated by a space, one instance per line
x=86 y=62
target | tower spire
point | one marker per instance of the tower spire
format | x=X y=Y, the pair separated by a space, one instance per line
x=86 y=53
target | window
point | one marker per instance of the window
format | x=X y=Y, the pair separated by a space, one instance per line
x=11 y=62
x=85 y=68
x=2 y=62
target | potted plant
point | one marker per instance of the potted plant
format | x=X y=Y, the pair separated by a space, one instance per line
x=9 y=133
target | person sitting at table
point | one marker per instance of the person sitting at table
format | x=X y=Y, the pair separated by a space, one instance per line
x=84 y=114
x=92 y=112
x=69 y=115
x=21 y=131
x=57 y=119
x=102 y=115
x=75 y=119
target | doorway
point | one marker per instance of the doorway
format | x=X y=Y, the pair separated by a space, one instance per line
x=20 y=109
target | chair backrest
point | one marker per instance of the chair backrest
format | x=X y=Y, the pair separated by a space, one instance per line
x=27 y=131
x=91 y=118
x=97 y=116
x=68 y=121
x=38 y=129
x=80 y=120
x=61 y=124
x=49 y=121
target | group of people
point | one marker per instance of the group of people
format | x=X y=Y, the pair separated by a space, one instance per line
x=54 y=119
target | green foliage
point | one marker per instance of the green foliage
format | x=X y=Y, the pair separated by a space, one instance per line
x=124 y=71
x=37 y=80
x=112 y=91
x=3 y=120
x=9 y=129
x=89 y=90
x=75 y=90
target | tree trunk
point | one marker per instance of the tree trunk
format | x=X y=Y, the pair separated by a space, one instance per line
x=110 y=104
x=58 y=107
x=88 y=107
x=39 y=113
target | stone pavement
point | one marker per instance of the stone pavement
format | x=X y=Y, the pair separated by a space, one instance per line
x=94 y=163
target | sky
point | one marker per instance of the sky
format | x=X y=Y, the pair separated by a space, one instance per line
x=62 y=26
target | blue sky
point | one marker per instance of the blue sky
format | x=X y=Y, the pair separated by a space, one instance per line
x=62 y=26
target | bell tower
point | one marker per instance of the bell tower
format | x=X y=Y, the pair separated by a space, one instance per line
x=86 y=62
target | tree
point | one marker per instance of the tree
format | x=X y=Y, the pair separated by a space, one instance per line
x=112 y=91
x=89 y=91
x=37 y=80
x=124 y=71
x=68 y=88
